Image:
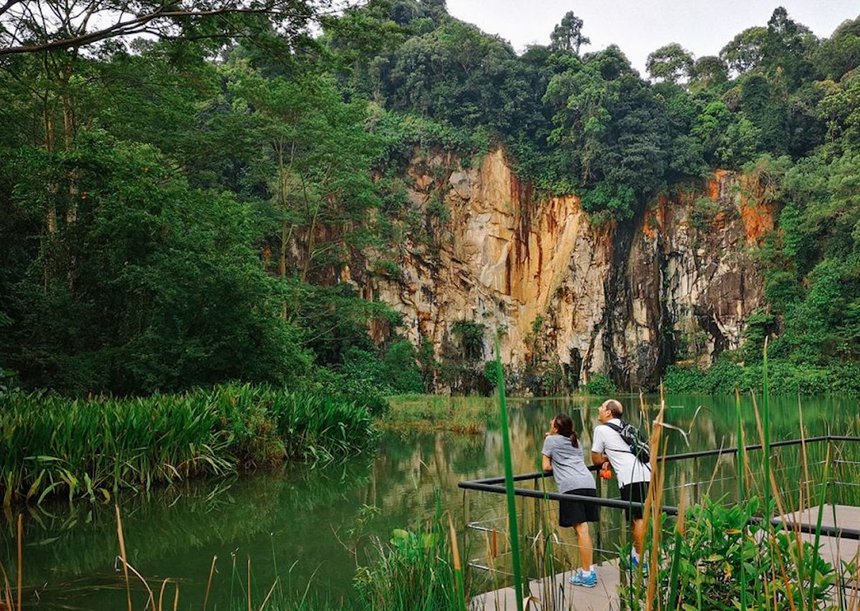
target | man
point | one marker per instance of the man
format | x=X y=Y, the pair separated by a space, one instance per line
x=633 y=475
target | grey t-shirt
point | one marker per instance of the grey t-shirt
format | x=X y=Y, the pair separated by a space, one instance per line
x=568 y=465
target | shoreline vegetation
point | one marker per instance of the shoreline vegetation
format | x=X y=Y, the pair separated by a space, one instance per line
x=91 y=448
x=714 y=555
x=456 y=414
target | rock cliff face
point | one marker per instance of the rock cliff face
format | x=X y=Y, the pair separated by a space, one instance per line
x=623 y=299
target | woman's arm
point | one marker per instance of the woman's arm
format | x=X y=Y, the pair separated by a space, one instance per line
x=547 y=463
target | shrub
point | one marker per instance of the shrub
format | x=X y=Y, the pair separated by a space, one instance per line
x=600 y=385
x=414 y=570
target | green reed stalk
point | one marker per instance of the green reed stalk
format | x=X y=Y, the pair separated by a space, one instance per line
x=459 y=586
x=821 y=502
x=674 y=577
x=509 y=482
x=741 y=468
x=765 y=414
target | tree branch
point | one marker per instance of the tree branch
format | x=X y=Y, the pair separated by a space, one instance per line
x=139 y=23
x=8 y=5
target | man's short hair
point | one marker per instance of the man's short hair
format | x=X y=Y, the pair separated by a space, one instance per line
x=615 y=408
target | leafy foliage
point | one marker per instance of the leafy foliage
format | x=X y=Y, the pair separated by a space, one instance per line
x=600 y=385
x=701 y=567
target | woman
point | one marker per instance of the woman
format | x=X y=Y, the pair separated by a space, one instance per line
x=562 y=454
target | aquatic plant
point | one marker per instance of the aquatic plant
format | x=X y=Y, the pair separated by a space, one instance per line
x=52 y=445
x=415 y=570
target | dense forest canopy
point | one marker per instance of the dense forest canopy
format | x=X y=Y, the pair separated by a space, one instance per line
x=178 y=207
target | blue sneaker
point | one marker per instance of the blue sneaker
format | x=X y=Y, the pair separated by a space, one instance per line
x=586 y=580
x=634 y=564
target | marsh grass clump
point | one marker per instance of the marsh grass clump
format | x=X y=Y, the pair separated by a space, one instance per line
x=51 y=445
x=467 y=415
x=418 y=569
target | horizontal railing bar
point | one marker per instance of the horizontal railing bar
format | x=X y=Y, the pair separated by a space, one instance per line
x=830 y=531
x=684 y=456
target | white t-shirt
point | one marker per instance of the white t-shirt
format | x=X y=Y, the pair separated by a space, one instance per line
x=628 y=469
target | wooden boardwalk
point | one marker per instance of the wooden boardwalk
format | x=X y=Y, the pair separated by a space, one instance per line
x=556 y=594
x=834 y=550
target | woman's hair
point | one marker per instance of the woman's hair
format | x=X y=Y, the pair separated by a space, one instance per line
x=564 y=426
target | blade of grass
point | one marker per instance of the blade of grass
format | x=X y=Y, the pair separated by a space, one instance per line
x=765 y=415
x=674 y=580
x=269 y=595
x=209 y=582
x=20 y=557
x=460 y=591
x=509 y=482
x=741 y=468
x=161 y=595
x=123 y=556
x=821 y=502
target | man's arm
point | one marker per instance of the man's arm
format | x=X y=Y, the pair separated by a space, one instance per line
x=597 y=448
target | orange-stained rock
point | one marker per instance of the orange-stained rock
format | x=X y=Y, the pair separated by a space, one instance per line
x=504 y=256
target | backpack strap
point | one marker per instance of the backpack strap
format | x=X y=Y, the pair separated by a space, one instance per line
x=617 y=429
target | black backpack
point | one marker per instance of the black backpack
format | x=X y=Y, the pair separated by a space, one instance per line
x=634 y=439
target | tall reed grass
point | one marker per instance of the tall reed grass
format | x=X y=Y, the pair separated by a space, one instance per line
x=415 y=570
x=724 y=556
x=51 y=445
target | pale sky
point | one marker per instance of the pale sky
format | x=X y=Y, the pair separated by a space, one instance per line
x=639 y=27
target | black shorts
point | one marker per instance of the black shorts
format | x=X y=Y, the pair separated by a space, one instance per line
x=577 y=512
x=636 y=492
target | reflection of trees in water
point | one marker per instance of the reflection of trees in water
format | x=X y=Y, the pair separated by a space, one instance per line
x=179 y=528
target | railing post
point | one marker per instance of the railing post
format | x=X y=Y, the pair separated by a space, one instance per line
x=696 y=479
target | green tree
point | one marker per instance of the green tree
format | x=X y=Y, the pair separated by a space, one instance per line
x=672 y=63
x=708 y=72
x=787 y=49
x=613 y=129
x=746 y=50
x=30 y=26
x=567 y=35
x=319 y=168
x=166 y=292
x=840 y=53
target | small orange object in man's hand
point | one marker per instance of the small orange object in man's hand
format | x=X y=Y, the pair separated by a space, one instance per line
x=606 y=472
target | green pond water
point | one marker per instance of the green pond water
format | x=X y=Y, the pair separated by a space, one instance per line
x=311 y=526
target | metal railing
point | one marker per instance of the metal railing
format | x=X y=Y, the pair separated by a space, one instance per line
x=496 y=485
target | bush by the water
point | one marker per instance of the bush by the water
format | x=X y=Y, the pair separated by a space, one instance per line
x=52 y=445
x=600 y=385
x=784 y=377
